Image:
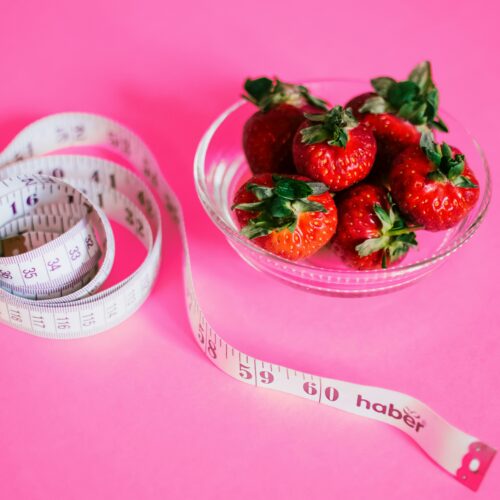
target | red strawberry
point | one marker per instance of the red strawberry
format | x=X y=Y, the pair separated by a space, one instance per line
x=393 y=134
x=333 y=148
x=370 y=233
x=290 y=216
x=268 y=133
x=433 y=185
x=397 y=112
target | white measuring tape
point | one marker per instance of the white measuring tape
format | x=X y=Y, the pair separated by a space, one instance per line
x=57 y=250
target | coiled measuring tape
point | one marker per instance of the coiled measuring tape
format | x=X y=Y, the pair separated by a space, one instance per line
x=57 y=249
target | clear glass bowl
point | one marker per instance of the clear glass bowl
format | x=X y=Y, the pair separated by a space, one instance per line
x=220 y=168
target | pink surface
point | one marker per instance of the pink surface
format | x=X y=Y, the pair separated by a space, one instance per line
x=139 y=412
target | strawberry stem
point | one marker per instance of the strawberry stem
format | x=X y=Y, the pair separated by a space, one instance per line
x=448 y=166
x=406 y=230
x=331 y=127
x=280 y=206
x=395 y=237
x=267 y=94
x=415 y=99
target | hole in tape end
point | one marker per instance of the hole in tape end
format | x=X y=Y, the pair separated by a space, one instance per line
x=474 y=465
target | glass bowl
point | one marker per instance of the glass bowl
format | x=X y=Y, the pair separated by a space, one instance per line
x=220 y=168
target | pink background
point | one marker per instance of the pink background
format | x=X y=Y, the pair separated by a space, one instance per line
x=138 y=412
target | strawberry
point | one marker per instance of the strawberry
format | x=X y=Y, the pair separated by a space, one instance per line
x=397 y=112
x=433 y=185
x=290 y=216
x=268 y=133
x=334 y=149
x=371 y=233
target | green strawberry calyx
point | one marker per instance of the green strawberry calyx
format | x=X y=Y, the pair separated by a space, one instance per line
x=331 y=127
x=279 y=207
x=395 y=238
x=266 y=94
x=415 y=99
x=449 y=166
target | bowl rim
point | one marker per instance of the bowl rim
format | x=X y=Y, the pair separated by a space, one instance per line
x=228 y=231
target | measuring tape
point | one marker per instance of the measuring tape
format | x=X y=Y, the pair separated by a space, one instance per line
x=57 y=249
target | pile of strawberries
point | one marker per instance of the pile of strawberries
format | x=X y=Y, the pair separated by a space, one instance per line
x=359 y=179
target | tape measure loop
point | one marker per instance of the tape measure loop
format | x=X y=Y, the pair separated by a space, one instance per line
x=57 y=241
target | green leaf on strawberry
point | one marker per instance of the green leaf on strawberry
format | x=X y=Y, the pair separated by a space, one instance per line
x=415 y=99
x=449 y=166
x=421 y=76
x=258 y=89
x=291 y=189
x=260 y=192
x=267 y=94
x=395 y=239
x=279 y=206
x=382 y=85
x=332 y=127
